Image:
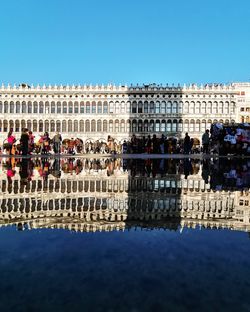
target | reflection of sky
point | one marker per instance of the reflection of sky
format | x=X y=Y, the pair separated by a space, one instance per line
x=124 y=271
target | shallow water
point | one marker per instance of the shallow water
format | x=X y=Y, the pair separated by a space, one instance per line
x=148 y=237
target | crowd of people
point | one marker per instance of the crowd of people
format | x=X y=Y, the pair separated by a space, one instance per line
x=220 y=139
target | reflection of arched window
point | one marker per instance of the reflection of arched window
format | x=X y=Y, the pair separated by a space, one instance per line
x=93 y=126
x=87 y=126
x=75 y=126
x=105 y=126
x=99 y=125
x=64 y=126
x=81 y=126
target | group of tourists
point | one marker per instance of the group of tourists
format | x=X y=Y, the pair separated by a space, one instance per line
x=220 y=139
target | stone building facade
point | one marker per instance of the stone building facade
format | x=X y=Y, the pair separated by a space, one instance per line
x=94 y=112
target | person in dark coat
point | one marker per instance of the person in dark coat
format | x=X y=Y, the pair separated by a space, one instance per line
x=24 y=140
x=187 y=144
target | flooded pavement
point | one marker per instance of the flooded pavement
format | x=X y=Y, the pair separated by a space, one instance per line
x=124 y=234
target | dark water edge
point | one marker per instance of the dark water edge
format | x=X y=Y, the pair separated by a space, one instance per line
x=134 y=270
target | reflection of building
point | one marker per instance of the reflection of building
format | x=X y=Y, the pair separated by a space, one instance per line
x=93 y=201
x=94 y=112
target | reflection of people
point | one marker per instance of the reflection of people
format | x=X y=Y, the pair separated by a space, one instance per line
x=187 y=168
x=23 y=171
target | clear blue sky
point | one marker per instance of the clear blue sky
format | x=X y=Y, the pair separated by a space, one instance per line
x=102 y=41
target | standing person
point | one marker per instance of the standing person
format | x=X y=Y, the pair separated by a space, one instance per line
x=31 y=142
x=11 y=140
x=205 y=141
x=57 y=143
x=187 y=144
x=148 y=144
x=24 y=140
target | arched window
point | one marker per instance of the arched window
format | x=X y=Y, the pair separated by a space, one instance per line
x=151 y=126
x=111 y=107
x=180 y=107
x=203 y=126
x=34 y=126
x=134 y=107
x=140 y=126
x=65 y=108
x=1 y=125
x=46 y=125
x=64 y=126
x=122 y=107
x=157 y=107
x=47 y=108
x=93 y=126
x=6 y=107
x=169 y=125
x=198 y=126
x=81 y=126
x=163 y=126
x=123 y=126
x=191 y=108
x=11 y=108
x=17 y=125
x=203 y=107
x=117 y=107
x=29 y=107
x=152 y=107
x=140 y=107
x=215 y=108
x=191 y=125
x=87 y=107
x=169 y=104
x=174 y=108
x=105 y=126
x=145 y=126
x=76 y=108
x=87 y=126
x=5 y=126
x=180 y=126
x=209 y=108
x=93 y=107
x=226 y=108
x=58 y=126
x=99 y=107
x=197 y=107
x=105 y=107
x=52 y=126
x=1 y=107
x=99 y=125
x=23 y=124
x=134 y=126
x=186 y=124
x=23 y=108
x=146 y=107
x=220 y=108
x=40 y=126
x=70 y=126
x=81 y=107
x=111 y=126
x=75 y=126
x=163 y=107
x=35 y=108
x=117 y=126
x=186 y=107
x=174 y=126
x=29 y=125
x=41 y=108
x=70 y=107
x=157 y=125
x=53 y=107
x=17 y=107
